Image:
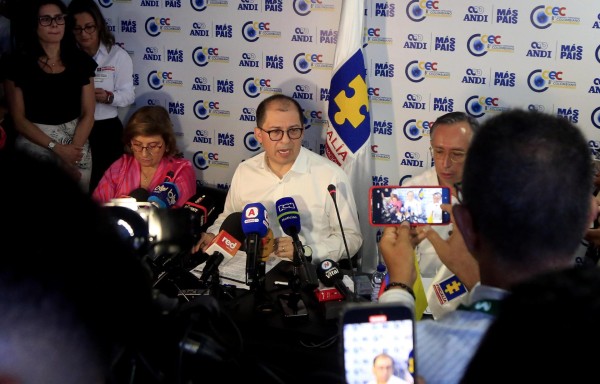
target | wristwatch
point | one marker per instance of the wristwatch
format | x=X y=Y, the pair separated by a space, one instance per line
x=51 y=145
x=110 y=97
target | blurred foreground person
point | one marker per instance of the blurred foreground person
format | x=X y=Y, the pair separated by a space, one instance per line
x=72 y=295
x=513 y=161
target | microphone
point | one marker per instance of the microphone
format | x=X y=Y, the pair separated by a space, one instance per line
x=224 y=246
x=331 y=276
x=201 y=207
x=289 y=219
x=165 y=195
x=333 y=192
x=255 y=224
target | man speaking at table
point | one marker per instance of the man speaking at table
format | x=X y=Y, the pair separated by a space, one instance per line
x=286 y=169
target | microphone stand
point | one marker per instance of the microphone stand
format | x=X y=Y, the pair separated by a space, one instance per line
x=333 y=191
x=292 y=304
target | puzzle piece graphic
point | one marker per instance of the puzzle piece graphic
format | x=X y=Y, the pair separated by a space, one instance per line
x=350 y=107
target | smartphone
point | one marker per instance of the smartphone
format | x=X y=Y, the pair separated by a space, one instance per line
x=378 y=342
x=419 y=205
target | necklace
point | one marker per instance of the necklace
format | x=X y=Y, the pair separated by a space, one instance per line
x=48 y=62
x=148 y=177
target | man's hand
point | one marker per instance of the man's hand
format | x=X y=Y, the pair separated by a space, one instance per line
x=398 y=253
x=202 y=244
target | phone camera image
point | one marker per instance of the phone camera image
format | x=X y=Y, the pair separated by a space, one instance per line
x=378 y=345
x=418 y=205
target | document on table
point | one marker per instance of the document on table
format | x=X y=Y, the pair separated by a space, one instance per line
x=234 y=271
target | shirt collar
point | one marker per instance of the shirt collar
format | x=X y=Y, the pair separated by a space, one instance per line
x=300 y=165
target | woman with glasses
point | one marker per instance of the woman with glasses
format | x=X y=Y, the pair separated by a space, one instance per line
x=151 y=158
x=50 y=91
x=113 y=82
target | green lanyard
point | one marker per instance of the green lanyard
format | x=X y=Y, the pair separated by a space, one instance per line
x=490 y=307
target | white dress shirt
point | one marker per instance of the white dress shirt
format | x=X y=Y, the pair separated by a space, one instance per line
x=306 y=182
x=114 y=74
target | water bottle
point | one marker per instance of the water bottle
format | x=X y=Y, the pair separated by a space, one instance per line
x=376 y=280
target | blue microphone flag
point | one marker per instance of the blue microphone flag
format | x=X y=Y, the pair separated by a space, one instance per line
x=288 y=216
x=255 y=219
x=165 y=195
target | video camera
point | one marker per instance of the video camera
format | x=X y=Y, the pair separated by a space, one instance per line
x=161 y=237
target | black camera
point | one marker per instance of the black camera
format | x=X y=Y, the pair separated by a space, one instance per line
x=162 y=237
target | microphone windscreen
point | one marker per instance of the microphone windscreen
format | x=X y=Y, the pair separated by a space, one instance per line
x=202 y=207
x=331 y=188
x=140 y=194
x=328 y=272
x=165 y=195
x=233 y=225
x=255 y=219
x=288 y=216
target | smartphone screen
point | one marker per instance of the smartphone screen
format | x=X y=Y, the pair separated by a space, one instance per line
x=419 y=205
x=378 y=343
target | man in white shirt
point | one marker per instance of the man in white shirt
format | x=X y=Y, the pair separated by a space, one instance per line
x=383 y=371
x=451 y=136
x=286 y=169
x=433 y=210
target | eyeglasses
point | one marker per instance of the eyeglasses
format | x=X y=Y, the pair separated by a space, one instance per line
x=152 y=148
x=47 y=20
x=277 y=134
x=458 y=189
x=89 y=29
x=457 y=157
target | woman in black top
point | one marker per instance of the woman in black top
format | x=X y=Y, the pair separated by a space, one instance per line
x=50 y=91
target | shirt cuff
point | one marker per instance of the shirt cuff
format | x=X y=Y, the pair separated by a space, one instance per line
x=398 y=296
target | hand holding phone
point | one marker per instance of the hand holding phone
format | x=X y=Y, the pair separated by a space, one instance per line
x=378 y=343
x=419 y=205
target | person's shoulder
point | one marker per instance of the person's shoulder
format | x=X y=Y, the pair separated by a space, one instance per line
x=427 y=177
x=123 y=162
x=317 y=159
x=82 y=61
x=253 y=162
x=118 y=51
